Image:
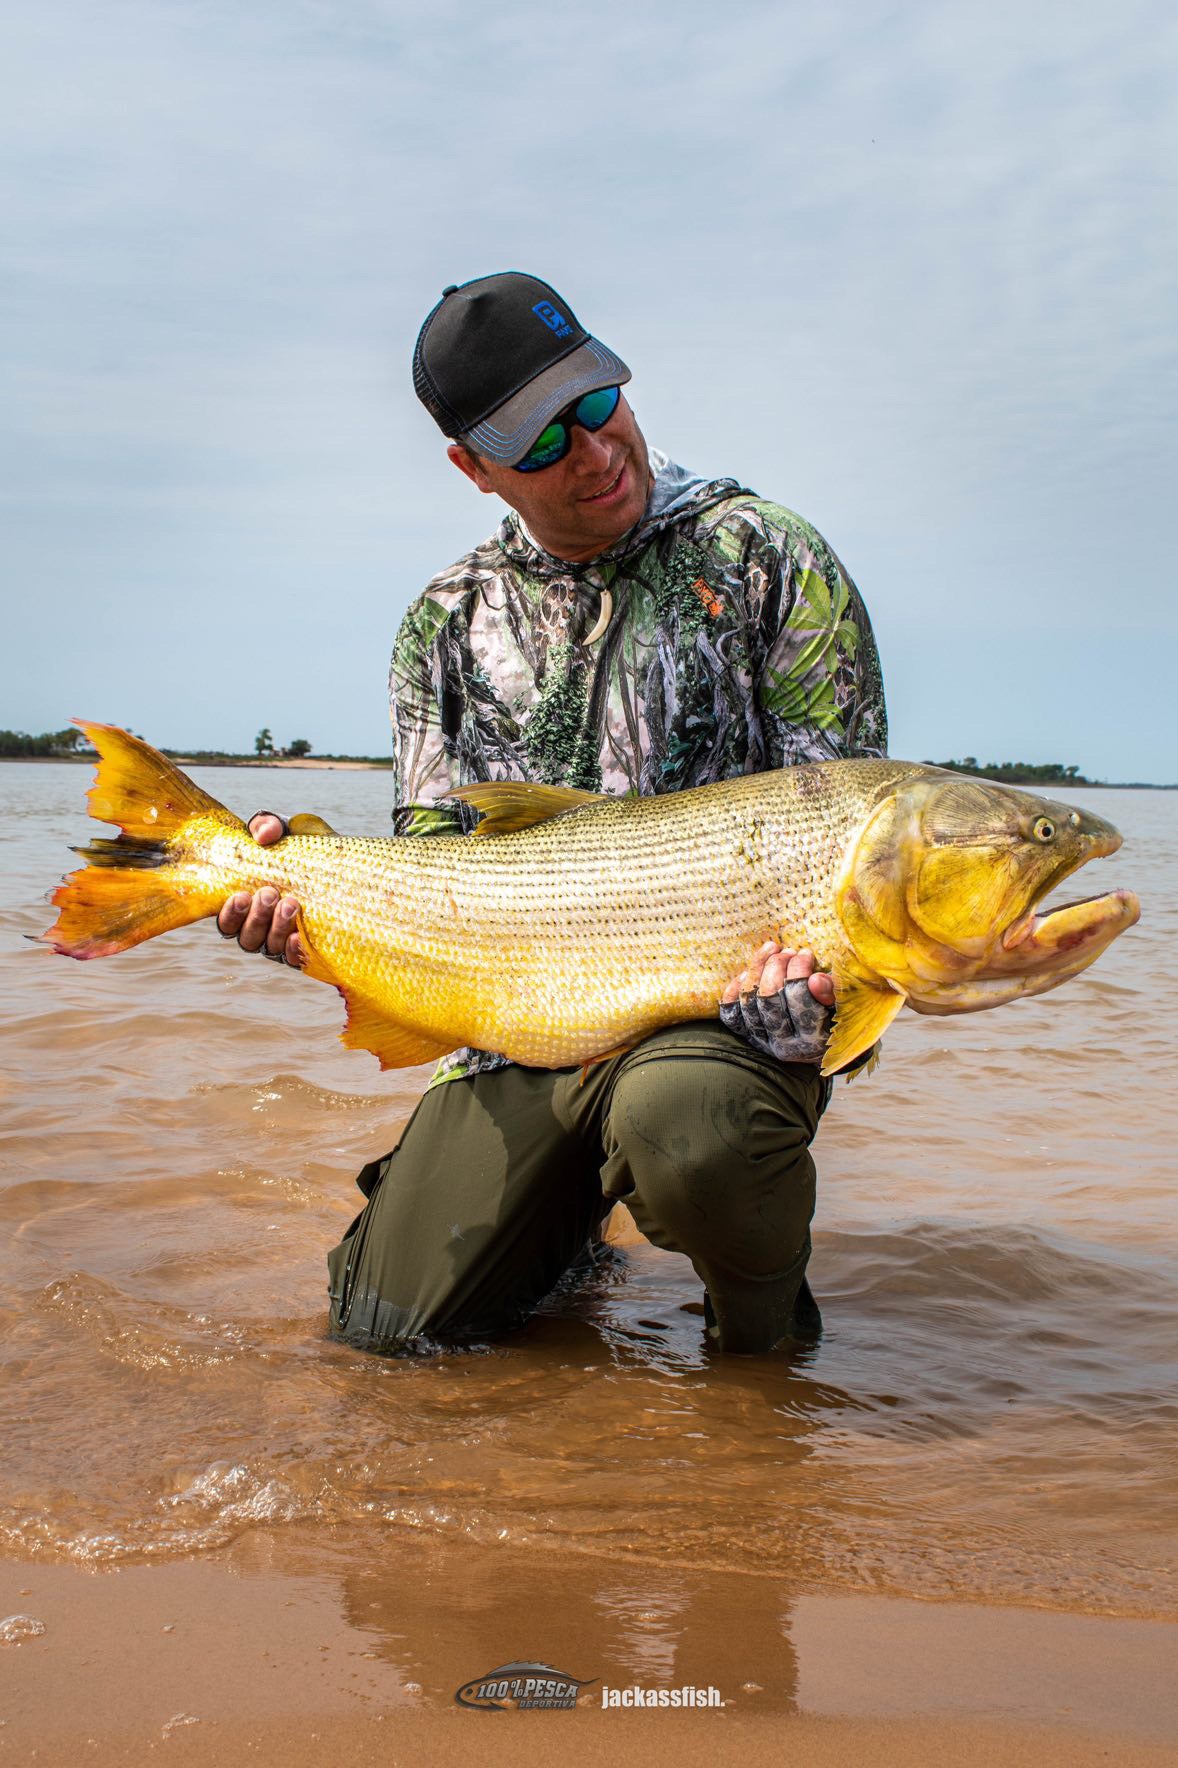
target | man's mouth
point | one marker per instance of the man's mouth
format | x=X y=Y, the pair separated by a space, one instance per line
x=608 y=491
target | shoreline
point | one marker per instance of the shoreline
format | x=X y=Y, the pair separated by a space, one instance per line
x=314 y=1651
x=348 y=764
x=344 y=764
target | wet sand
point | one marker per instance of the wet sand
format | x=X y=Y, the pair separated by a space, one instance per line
x=281 y=1651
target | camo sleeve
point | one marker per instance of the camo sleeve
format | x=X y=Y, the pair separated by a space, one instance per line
x=424 y=765
x=821 y=685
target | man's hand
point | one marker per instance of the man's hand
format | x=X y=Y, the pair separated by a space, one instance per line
x=781 y=1004
x=264 y=921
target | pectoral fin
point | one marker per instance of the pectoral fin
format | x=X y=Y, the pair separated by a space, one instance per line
x=862 y=1013
x=508 y=805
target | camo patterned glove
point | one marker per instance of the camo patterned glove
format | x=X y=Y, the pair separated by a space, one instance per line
x=790 y=1025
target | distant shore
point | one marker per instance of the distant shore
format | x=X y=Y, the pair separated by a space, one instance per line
x=342 y=763
x=360 y=764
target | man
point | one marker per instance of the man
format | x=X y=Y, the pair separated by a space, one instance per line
x=628 y=627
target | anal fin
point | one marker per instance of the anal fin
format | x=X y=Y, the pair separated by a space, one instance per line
x=368 y=1026
x=862 y=1013
x=393 y=1045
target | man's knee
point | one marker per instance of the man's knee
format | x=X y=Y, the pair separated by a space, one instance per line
x=713 y=1160
x=470 y=1220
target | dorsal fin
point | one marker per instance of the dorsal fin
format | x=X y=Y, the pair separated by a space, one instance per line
x=508 y=805
x=307 y=823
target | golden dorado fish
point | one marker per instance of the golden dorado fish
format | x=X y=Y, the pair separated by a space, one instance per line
x=580 y=924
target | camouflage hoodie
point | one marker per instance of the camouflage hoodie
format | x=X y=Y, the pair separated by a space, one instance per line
x=720 y=636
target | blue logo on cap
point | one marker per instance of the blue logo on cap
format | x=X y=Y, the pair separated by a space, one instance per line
x=553 y=319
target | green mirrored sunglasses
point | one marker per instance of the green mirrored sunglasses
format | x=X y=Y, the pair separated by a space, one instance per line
x=555 y=439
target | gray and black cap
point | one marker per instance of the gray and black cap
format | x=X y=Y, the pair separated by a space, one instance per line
x=500 y=356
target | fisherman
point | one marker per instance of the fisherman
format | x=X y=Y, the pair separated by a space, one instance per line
x=629 y=627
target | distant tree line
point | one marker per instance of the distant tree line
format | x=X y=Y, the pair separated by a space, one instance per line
x=72 y=742
x=48 y=743
x=1019 y=773
x=264 y=745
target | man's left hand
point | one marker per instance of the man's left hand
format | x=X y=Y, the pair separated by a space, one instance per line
x=781 y=1004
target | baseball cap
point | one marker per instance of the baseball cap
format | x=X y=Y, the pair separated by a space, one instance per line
x=499 y=356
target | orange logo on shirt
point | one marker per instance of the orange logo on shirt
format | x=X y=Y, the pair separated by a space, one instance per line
x=708 y=597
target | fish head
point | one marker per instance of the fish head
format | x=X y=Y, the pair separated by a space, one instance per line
x=942 y=895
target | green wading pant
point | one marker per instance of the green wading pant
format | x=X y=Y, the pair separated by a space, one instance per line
x=501 y=1180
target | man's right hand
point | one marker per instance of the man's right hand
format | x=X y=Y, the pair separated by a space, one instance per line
x=264 y=921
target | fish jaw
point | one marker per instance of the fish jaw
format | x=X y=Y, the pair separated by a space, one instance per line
x=1037 y=953
x=1084 y=929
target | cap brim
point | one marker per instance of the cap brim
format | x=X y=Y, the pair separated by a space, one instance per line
x=509 y=432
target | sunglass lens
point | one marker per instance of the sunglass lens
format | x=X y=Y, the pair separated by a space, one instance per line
x=596 y=409
x=548 y=448
x=552 y=444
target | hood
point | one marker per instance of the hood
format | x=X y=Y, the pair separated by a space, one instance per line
x=677 y=492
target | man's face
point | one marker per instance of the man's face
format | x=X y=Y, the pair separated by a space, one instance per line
x=586 y=501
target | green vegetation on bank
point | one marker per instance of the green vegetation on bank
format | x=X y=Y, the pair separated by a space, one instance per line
x=1044 y=773
x=70 y=744
x=229 y=758
x=49 y=743
x=1020 y=773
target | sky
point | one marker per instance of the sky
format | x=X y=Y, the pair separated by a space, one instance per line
x=907 y=269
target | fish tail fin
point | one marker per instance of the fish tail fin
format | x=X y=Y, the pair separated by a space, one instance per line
x=101 y=911
x=137 y=885
x=142 y=791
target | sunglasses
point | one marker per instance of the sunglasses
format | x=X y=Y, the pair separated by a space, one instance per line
x=555 y=440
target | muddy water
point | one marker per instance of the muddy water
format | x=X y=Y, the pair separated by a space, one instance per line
x=990 y=1414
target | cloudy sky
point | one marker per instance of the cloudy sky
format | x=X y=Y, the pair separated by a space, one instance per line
x=909 y=269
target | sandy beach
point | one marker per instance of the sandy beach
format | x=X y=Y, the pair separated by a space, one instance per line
x=292 y=1652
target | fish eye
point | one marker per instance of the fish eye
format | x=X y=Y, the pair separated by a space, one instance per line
x=1044 y=829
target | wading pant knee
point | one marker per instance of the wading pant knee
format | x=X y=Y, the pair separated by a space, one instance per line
x=500 y=1180
x=710 y=1149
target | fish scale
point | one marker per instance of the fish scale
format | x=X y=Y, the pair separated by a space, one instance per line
x=616 y=918
x=570 y=925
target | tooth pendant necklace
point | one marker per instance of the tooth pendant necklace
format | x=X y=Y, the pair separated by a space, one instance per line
x=604 y=618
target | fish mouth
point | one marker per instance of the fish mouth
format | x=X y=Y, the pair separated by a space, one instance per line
x=1042 y=940
x=1037 y=953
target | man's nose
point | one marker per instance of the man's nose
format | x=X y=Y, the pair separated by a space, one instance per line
x=590 y=452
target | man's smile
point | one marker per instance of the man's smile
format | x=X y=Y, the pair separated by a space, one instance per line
x=610 y=491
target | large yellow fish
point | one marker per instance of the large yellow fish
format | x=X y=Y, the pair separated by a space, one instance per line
x=583 y=924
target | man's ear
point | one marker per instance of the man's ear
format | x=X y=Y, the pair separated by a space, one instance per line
x=469 y=463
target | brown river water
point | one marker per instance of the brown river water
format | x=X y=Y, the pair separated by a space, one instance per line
x=990 y=1413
